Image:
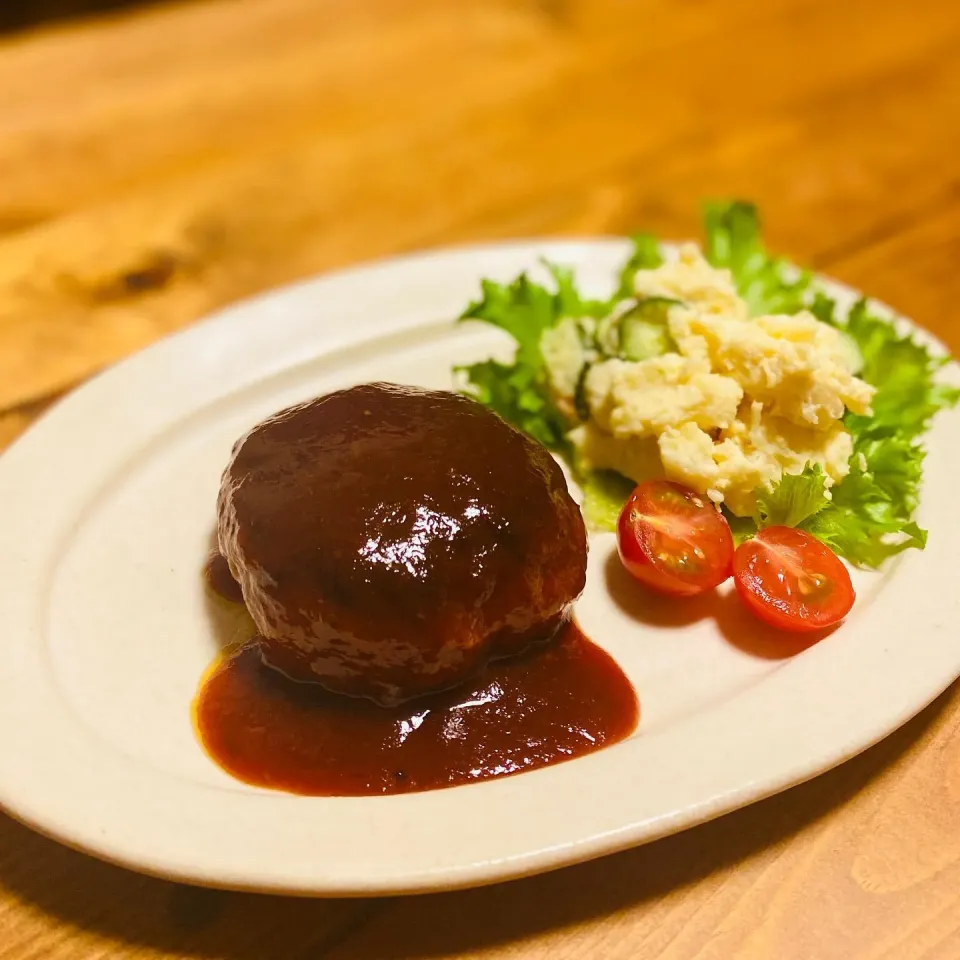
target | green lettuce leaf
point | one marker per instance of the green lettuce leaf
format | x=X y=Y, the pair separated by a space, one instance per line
x=518 y=394
x=742 y=528
x=868 y=518
x=567 y=301
x=520 y=391
x=523 y=309
x=604 y=494
x=733 y=240
x=903 y=371
x=794 y=500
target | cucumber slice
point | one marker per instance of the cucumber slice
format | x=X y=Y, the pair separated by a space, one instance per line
x=580 y=404
x=643 y=339
x=608 y=335
x=643 y=330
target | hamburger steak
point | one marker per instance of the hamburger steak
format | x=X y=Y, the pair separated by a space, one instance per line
x=390 y=540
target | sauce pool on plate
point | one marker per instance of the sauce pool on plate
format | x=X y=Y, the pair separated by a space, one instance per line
x=553 y=703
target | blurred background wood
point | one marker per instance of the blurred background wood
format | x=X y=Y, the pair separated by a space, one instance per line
x=160 y=162
x=16 y=14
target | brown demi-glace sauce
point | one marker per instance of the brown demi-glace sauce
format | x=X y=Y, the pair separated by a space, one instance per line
x=553 y=703
x=409 y=561
x=545 y=706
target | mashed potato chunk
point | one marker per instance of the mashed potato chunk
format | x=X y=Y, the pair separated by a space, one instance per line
x=635 y=457
x=755 y=452
x=643 y=399
x=795 y=364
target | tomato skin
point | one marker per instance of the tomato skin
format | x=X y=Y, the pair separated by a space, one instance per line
x=792 y=581
x=673 y=540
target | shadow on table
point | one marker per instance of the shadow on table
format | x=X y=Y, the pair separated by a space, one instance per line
x=101 y=901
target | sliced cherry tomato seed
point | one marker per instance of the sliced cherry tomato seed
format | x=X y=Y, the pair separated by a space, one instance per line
x=792 y=581
x=674 y=541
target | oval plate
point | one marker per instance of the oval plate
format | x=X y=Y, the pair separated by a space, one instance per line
x=107 y=515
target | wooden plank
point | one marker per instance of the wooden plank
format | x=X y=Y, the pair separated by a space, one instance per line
x=912 y=265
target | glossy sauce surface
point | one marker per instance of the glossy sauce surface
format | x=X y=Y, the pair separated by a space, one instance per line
x=553 y=703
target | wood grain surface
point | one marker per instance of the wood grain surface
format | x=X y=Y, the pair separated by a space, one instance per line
x=157 y=164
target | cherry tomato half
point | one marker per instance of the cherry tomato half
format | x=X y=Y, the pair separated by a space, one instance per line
x=792 y=581
x=673 y=540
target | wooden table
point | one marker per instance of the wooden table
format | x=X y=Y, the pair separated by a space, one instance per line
x=158 y=164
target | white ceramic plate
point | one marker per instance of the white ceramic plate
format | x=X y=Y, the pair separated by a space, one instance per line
x=106 y=516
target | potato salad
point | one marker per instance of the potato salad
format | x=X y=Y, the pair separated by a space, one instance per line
x=681 y=382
